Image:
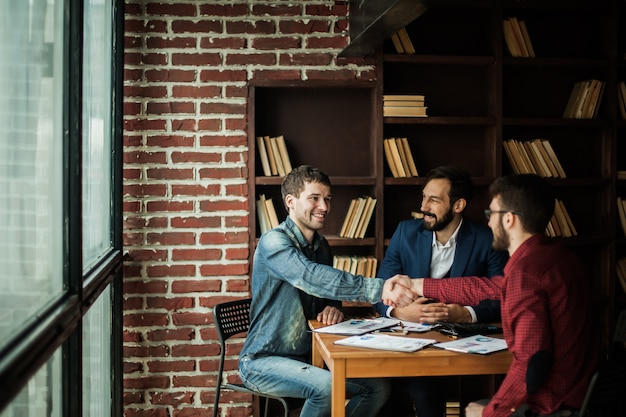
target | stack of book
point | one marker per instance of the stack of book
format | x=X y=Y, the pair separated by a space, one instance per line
x=403 y=105
x=266 y=213
x=358 y=218
x=357 y=265
x=273 y=154
x=621 y=99
x=402 y=42
x=399 y=157
x=621 y=273
x=533 y=157
x=584 y=101
x=621 y=210
x=517 y=38
x=561 y=224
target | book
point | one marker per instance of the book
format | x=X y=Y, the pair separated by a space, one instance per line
x=511 y=153
x=403 y=97
x=265 y=163
x=519 y=37
x=358 y=212
x=510 y=40
x=409 y=157
x=390 y=160
x=568 y=219
x=403 y=158
x=271 y=212
x=264 y=219
x=525 y=158
x=474 y=344
x=365 y=265
x=348 y=219
x=539 y=166
x=284 y=155
x=358 y=326
x=395 y=155
x=407 y=45
x=598 y=100
x=365 y=218
x=395 y=39
x=560 y=220
x=621 y=273
x=553 y=157
x=404 y=111
x=621 y=99
x=262 y=216
x=386 y=342
x=539 y=160
x=404 y=103
x=280 y=167
x=526 y=37
x=622 y=214
x=587 y=109
x=270 y=155
x=546 y=158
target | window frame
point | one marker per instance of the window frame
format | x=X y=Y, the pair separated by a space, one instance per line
x=59 y=323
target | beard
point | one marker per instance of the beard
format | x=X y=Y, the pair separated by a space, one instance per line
x=439 y=224
x=501 y=240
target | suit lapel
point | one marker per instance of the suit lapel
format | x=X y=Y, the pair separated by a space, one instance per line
x=464 y=244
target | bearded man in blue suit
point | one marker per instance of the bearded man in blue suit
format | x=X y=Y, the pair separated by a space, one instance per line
x=442 y=244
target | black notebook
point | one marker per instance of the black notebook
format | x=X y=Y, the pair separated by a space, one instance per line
x=466 y=329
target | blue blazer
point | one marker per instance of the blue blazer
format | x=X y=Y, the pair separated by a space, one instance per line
x=410 y=251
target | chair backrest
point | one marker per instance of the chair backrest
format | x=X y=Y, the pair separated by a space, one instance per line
x=231 y=318
x=606 y=395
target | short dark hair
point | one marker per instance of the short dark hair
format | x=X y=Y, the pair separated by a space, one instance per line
x=529 y=194
x=294 y=182
x=461 y=185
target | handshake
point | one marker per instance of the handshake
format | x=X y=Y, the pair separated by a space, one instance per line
x=400 y=290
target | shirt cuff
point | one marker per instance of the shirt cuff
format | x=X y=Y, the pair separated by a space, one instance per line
x=472 y=313
x=388 y=312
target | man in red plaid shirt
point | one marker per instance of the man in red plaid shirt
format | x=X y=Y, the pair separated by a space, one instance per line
x=547 y=314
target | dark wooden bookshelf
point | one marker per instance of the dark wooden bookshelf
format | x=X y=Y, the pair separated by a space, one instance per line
x=478 y=95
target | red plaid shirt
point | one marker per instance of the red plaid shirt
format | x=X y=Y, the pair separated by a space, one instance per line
x=546 y=305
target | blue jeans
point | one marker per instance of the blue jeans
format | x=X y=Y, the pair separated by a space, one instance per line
x=286 y=377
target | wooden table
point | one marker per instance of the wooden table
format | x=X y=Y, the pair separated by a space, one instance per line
x=350 y=362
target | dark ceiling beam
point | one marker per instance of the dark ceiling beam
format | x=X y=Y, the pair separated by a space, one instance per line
x=373 y=21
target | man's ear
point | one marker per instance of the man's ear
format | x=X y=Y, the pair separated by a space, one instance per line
x=289 y=202
x=459 y=205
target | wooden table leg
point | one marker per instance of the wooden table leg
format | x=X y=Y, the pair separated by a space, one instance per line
x=338 y=373
x=316 y=357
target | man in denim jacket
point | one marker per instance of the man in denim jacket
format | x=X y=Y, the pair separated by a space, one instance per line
x=292 y=282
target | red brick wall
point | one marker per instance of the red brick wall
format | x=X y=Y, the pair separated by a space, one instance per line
x=187 y=65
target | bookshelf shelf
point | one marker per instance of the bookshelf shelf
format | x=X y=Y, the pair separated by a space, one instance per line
x=461 y=60
x=555 y=62
x=435 y=120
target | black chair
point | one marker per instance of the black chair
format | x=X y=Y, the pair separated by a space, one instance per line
x=232 y=318
x=606 y=395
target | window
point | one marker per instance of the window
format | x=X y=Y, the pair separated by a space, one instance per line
x=31 y=216
x=60 y=208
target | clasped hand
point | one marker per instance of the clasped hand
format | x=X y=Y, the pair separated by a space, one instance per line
x=398 y=291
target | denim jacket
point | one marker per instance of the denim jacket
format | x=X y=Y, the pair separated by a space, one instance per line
x=291 y=283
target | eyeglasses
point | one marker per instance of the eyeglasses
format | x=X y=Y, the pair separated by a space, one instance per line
x=488 y=213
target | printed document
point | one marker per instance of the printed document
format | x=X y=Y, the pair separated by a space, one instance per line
x=386 y=342
x=474 y=344
x=358 y=326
